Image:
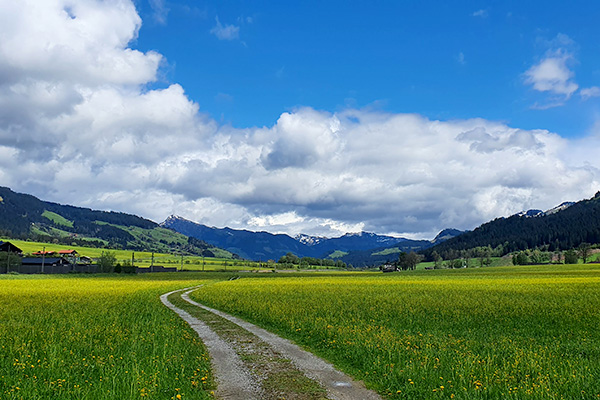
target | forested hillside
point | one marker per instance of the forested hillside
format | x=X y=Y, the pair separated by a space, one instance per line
x=23 y=216
x=565 y=229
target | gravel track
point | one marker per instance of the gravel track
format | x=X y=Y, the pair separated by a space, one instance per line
x=234 y=381
x=338 y=385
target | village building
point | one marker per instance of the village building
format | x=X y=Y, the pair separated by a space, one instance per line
x=9 y=247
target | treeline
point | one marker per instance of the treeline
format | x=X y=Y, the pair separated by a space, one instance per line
x=563 y=230
x=571 y=256
x=290 y=260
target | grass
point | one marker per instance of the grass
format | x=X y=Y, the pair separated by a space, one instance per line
x=338 y=254
x=385 y=252
x=98 y=337
x=485 y=333
x=57 y=219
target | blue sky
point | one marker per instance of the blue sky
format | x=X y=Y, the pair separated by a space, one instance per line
x=440 y=59
x=401 y=118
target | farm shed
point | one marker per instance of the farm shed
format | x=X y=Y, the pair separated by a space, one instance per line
x=388 y=268
x=68 y=252
x=52 y=265
x=44 y=253
x=9 y=247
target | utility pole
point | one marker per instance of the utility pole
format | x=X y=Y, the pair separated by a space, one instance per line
x=132 y=259
x=152 y=263
x=202 y=262
x=181 y=269
x=43 y=258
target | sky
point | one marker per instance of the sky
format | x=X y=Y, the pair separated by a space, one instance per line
x=323 y=118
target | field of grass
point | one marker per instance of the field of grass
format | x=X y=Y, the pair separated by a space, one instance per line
x=486 y=333
x=98 y=337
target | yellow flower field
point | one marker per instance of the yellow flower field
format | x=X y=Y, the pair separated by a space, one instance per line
x=102 y=337
x=510 y=332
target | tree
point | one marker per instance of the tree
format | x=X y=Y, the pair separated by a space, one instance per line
x=9 y=261
x=107 y=261
x=571 y=257
x=437 y=260
x=467 y=254
x=289 y=258
x=455 y=264
x=584 y=251
x=409 y=261
x=521 y=258
x=484 y=255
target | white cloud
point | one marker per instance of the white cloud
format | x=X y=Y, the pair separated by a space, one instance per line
x=77 y=131
x=586 y=93
x=481 y=13
x=552 y=75
x=225 y=32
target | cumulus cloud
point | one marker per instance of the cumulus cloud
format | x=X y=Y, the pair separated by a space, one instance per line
x=78 y=126
x=480 y=13
x=552 y=75
x=225 y=32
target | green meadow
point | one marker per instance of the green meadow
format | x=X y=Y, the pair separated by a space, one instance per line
x=485 y=333
x=98 y=337
x=478 y=333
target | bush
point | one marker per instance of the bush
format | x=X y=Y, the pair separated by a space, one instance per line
x=107 y=261
x=571 y=257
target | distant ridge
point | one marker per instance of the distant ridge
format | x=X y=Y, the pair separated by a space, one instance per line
x=23 y=216
x=358 y=248
x=540 y=213
x=563 y=227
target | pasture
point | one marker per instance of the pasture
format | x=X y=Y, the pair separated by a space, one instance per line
x=98 y=337
x=487 y=333
x=483 y=333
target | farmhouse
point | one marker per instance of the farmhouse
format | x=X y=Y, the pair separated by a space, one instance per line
x=44 y=253
x=68 y=253
x=9 y=247
x=388 y=268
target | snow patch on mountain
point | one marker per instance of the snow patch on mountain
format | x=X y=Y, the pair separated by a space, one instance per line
x=309 y=240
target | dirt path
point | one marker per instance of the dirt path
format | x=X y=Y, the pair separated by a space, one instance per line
x=252 y=363
x=234 y=380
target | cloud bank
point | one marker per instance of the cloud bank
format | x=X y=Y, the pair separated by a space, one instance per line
x=78 y=125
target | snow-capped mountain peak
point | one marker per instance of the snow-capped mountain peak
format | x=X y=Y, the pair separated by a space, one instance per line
x=309 y=240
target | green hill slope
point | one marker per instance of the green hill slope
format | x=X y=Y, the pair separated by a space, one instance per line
x=24 y=216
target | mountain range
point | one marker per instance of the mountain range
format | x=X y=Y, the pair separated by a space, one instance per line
x=352 y=248
x=26 y=217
